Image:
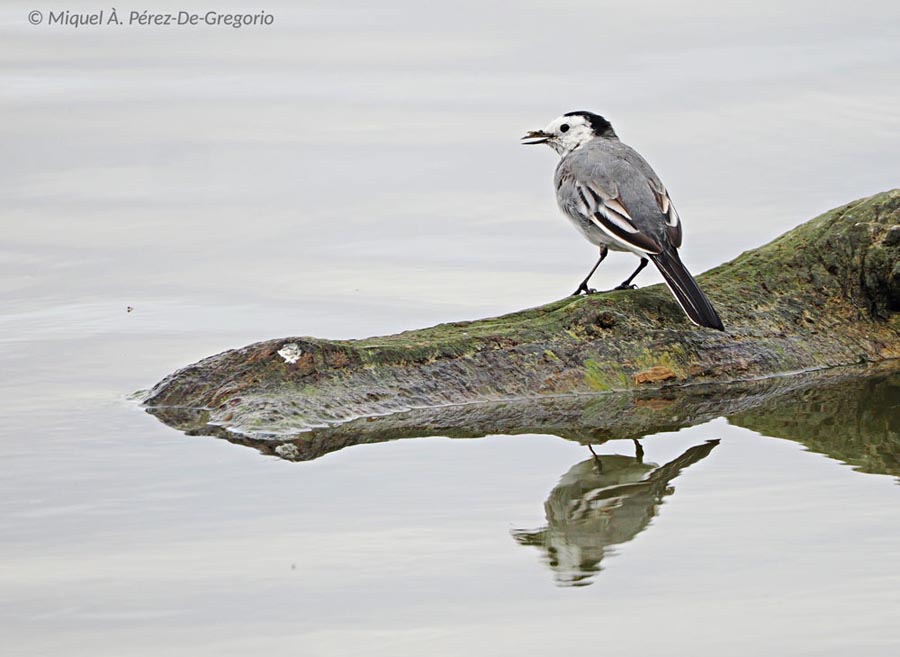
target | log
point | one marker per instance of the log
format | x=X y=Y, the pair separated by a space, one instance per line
x=823 y=295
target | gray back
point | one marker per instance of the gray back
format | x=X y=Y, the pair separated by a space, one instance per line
x=618 y=171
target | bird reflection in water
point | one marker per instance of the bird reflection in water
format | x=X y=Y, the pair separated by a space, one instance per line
x=599 y=503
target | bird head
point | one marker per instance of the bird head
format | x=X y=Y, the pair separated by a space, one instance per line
x=570 y=131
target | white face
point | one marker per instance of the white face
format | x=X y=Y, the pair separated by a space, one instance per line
x=563 y=134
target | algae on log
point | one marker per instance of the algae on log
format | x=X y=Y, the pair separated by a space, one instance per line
x=825 y=294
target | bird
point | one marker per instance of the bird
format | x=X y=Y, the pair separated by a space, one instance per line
x=600 y=504
x=616 y=200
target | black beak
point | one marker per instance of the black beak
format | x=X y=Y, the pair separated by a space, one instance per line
x=535 y=137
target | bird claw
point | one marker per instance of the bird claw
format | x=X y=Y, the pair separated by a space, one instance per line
x=585 y=289
x=623 y=286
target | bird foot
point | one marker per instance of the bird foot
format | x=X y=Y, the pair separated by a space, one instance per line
x=584 y=289
x=626 y=286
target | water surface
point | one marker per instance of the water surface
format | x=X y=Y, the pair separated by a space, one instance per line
x=355 y=170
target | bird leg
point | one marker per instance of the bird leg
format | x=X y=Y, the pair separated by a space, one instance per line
x=626 y=284
x=638 y=451
x=584 y=284
x=597 y=460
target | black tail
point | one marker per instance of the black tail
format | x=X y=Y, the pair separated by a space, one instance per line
x=689 y=295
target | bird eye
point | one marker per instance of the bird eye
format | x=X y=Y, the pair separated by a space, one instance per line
x=564 y=127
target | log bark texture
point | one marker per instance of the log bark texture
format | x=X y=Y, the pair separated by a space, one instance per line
x=825 y=294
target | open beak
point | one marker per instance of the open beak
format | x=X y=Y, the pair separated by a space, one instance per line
x=535 y=137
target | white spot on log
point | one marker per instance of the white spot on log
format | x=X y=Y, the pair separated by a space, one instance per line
x=291 y=353
x=288 y=451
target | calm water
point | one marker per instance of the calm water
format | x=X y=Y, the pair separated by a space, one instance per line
x=352 y=171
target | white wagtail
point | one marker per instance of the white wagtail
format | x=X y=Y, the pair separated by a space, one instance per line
x=617 y=202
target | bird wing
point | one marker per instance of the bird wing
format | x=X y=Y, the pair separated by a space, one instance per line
x=673 y=221
x=613 y=187
x=606 y=210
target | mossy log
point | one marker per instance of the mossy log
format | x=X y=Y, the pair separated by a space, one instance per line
x=825 y=294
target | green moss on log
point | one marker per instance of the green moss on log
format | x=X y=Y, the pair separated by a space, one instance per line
x=825 y=294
